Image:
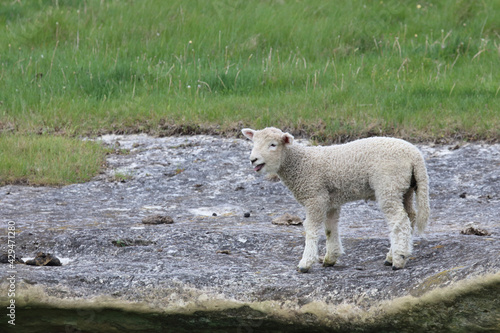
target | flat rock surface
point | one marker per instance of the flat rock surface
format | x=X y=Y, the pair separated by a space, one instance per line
x=215 y=253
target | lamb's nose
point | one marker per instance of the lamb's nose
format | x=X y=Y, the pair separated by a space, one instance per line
x=253 y=160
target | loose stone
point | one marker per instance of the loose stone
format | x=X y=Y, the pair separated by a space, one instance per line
x=157 y=219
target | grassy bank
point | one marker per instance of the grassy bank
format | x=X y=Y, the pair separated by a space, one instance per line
x=335 y=70
x=48 y=160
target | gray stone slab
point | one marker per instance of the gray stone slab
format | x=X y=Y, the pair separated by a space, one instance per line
x=217 y=265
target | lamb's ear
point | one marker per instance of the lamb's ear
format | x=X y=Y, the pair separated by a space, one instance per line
x=287 y=139
x=248 y=133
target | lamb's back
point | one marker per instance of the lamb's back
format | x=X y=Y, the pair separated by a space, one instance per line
x=346 y=170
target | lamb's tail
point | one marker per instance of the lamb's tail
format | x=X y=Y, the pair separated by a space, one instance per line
x=422 y=195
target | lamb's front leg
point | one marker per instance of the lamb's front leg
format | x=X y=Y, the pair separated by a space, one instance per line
x=315 y=218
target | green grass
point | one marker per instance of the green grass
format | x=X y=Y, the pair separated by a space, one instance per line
x=335 y=70
x=48 y=160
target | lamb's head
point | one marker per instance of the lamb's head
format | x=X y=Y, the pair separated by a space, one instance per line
x=268 y=145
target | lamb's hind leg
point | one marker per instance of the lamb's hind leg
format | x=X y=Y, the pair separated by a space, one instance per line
x=401 y=232
x=333 y=243
x=408 y=204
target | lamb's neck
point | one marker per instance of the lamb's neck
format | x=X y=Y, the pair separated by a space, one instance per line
x=292 y=160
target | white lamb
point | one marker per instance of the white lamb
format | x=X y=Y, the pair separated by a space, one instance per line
x=322 y=179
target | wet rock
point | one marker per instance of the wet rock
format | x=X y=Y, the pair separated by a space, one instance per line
x=475 y=231
x=4 y=259
x=287 y=219
x=44 y=259
x=157 y=219
x=172 y=278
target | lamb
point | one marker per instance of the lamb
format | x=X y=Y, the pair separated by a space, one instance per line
x=322 y=179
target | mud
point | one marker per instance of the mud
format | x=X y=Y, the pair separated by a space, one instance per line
x=223 y=263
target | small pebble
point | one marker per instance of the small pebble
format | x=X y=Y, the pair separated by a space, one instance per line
x=214 y=214
x=247 y=214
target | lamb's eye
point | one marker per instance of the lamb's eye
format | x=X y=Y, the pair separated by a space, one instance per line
x=272 y=145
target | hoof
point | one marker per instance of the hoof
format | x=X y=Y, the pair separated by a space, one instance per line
x=386 y=263
x=398 y=264
x=328 y=264
x=302 y=269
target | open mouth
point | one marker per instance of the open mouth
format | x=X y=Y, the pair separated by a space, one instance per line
x=259 y=167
